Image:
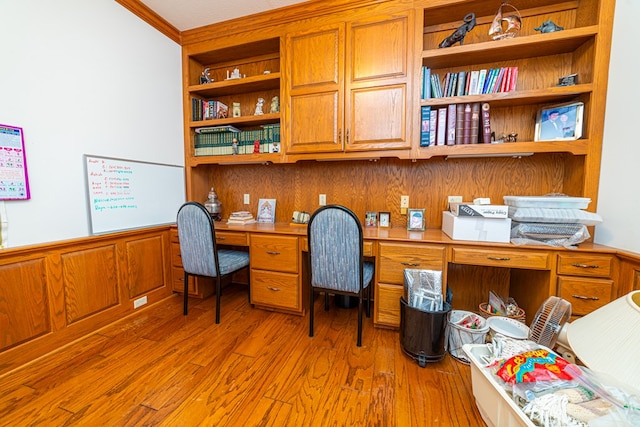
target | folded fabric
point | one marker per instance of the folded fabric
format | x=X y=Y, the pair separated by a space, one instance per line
x=551 y=215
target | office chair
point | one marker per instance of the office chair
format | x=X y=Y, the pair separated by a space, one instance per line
x=199 y=252
x=336 y=259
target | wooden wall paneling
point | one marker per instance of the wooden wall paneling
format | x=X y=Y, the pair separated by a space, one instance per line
x=147 y=263
x=90 y=281
x=24 y=305
x=471 y=284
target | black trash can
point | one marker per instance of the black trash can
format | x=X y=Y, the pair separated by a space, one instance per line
x=423 y=333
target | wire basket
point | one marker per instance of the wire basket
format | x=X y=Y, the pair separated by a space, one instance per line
x=520 y=315
x=458 y=335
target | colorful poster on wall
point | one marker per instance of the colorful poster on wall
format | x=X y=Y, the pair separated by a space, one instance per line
x=14 y=180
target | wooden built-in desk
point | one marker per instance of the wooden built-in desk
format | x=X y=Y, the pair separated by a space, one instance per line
x=530 y=274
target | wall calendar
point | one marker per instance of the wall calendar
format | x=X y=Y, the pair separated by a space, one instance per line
x=14 y=180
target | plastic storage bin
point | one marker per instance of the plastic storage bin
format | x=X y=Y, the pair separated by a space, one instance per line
x=423 y=333
x=547 y=202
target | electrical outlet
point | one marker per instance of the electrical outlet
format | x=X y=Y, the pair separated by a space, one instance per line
x=322 y=200
x=404 y=202
x=140 y=302
x=246 y=199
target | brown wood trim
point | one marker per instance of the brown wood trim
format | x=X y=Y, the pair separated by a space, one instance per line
x=150 y=17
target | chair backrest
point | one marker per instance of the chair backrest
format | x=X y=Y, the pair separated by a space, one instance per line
x=197 y=240
x=335 y=249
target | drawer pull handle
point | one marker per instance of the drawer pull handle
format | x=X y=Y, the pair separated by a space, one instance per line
x=220 y=237
x=498 y=258
x=411 y=264
x=273 y=253
x=585 y=266
x=586 y=298
x=271 y=288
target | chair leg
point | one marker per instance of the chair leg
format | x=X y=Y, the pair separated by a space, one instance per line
x=326 y=301
x=311 y=311
x=369 y=300
x=359 y=343
x=186 y=292
x=218 y=294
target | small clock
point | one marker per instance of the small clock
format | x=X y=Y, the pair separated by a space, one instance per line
x=385 y=219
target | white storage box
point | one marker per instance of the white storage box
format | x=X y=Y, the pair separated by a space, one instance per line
x=476 y=228
x=547 y=202
x=494 y=404
x=487 y=211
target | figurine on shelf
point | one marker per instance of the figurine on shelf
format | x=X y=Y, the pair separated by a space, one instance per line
x=514 y=23
x=234 y=146
x=259 y=105
x=548 y=26
x=275 y=105
x=235 y=74
x=459 y=34
x=205 y=77
x=256 y=146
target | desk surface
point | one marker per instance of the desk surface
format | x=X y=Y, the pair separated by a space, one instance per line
x=430 y=235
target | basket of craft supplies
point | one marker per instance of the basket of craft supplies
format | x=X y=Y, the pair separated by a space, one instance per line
x=465 y=327
x=497 y=306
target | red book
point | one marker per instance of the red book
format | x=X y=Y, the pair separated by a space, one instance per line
x=486 y=123
x=475 y=122
x=466 y=138
x=514 y=79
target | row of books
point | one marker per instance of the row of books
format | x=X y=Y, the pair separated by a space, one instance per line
x=475 y=82
x=456 y=124
x=228 y=140
x=208 y=109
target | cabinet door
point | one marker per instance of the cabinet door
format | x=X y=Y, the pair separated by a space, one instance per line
x=378 y=84
x=314 y=76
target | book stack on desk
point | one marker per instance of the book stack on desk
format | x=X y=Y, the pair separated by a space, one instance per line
x=241 y=218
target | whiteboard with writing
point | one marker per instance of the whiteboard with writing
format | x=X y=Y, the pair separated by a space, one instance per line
x=125 y=194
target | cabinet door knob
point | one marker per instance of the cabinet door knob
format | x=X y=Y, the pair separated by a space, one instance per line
x=585 y=266
x=497 y=258
x=220 y=238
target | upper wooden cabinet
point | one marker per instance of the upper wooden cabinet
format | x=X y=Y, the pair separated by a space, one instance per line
x=349 y=86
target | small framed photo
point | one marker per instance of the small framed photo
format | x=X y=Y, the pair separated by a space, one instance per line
x=267 y=210
x=371 y=219
x=415 y=219
x=562 y=122
x=385 y=219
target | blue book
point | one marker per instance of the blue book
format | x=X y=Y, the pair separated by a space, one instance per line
x=426 y=82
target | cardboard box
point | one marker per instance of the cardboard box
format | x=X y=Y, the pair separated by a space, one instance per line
x=476 y=228
x=486 y=211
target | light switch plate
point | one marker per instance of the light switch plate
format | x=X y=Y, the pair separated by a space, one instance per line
x=246 y=199
x=322 y=200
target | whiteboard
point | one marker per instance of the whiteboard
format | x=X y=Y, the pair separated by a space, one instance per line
x=125 y=194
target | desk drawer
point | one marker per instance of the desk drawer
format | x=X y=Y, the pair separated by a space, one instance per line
x=235 y=238
x=176 y=258
x=394 y=258
x=274 y=289
x=585 y=265
x=585 y=295
x=501 y=258
x=275 y=253
x=387 y=305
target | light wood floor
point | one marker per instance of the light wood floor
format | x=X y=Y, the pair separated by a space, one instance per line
x=256 y=368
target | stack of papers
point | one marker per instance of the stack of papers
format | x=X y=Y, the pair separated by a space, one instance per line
x=241 y=218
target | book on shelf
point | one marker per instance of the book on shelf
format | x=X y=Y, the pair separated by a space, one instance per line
x=473 y=82
x=425 y=124
x=441 y=137
x=475 y=122
x=466 y=123
x=433 y=126
x=462 y=82
x=459 y=123
x=486 y=123
x=215 y=129
x=451 y=124
x=482 y=76
x=426 y=82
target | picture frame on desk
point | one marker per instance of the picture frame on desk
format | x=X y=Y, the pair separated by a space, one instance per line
x=560 y=122
x=384 y=220
x=415 y=220
x=267 y=211
x=371 y=219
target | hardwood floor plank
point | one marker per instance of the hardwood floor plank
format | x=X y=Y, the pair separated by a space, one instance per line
x=255 y=368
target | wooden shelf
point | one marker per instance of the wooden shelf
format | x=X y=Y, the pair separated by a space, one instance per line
x=511 y=49
x=239 y=121
x=578 y=148
x=238 y=159
x=509 y=99
x=233 y=87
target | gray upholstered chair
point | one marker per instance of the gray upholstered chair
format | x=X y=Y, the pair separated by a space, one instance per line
x=336 y=259
x=200 y=255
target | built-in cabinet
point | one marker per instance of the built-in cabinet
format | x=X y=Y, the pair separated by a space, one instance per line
x=344 y=95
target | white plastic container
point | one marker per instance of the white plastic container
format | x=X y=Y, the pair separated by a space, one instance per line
x=494 y=404
x=547 y=202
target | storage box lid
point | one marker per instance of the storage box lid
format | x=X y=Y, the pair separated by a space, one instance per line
x=547 y=202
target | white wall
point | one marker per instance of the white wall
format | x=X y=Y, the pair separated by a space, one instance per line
x=82 y=77
x=619 y=196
